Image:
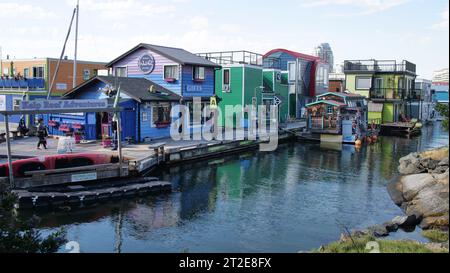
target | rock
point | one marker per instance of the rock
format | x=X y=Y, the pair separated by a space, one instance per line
x=413 y=184
x=391 y=226
x=379 y=231
x=443 y=162
x=395 y=190
x=431 y=201
x=435 y=222
x=440 y=169
x=428 y=164
x=410 y=164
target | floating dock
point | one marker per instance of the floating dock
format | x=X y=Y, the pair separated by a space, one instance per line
x=84 y=194
x=402 y=129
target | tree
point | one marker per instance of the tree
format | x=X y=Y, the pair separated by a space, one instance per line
x=22 y=236
x=443 y=110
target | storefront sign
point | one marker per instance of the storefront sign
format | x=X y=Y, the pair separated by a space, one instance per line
x=194 y=88
x=213 y=103
x=63 y=104
x=147 y=63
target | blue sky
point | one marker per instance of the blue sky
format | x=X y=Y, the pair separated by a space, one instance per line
x=415 y=30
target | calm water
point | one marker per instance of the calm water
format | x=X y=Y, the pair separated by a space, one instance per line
x=296 y=198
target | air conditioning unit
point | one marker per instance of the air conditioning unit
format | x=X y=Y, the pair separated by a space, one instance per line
x=226 y=88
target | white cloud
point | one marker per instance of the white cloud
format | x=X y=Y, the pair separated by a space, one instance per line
x=443 y=24
x=123 y=9
x=365 y=7
x=199 y=22
x=14 y=10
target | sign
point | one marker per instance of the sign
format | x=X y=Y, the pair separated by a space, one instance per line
x=84 y=177
x=213 y=103
x=61 y=86
x=147 y=63
x=2 y=103
x=194 y=88
x=278 y=76
x=277 y=100
x=63 y=104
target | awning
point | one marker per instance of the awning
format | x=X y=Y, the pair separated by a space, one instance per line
x=375 y=107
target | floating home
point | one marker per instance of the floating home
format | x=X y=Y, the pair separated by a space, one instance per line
x=308 y=76
x=337 y=117
x=243 y=81
x=146 y=114
x=389 y=86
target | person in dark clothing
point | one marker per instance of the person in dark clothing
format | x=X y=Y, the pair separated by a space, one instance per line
x=42 y=135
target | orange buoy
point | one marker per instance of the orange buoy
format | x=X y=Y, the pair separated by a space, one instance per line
x=374 y=138
x=358 y=143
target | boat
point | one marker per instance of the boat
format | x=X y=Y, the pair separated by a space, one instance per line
x=336 y=117
x=402 y=129
x=54 y=162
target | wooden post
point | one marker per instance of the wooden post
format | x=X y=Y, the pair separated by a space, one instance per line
x=8 y=147
x=119 y=142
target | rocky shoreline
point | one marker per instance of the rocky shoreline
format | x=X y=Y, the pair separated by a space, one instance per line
x=422 y=191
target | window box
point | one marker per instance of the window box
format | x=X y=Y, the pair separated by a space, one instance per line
x=162 y=124
x=170 y=80
x=199 y=80
x=65 y=128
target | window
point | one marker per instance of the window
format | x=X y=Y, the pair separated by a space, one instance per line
x=38 y=72
x=161 y=114
x=325 y=76
x=199 y=73
x=171 y=72
x=26 y=72
x=363 y=83
x=379 y=83
x=86 y=74
x=329 y=109
x=144 y=116
x=121 y=72
x=17 y=104
x=292 y=72
x=226 y=80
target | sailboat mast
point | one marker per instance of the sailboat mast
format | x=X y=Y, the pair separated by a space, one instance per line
x=76 y=47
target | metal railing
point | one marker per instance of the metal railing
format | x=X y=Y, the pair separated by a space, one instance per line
x=379 y=66
x=22 y=83
x=395 y=94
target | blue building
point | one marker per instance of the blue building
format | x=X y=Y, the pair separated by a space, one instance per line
x=146 y=114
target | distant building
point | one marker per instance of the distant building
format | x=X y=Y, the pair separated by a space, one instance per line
x=440 y=77
x=324 y=52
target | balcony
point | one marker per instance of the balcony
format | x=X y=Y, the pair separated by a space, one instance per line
x=11 y=83
x=376 y=66
x=392 y=94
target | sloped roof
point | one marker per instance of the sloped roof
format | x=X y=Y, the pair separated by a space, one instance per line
x=292 y=53
x=342 y=95
x=178 y=55
x=329 y=102
x=136 y=88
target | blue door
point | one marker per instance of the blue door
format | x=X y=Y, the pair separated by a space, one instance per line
x=128 y=120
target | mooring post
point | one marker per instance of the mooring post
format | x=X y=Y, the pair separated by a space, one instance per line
x=119 y=142
x=8 y=148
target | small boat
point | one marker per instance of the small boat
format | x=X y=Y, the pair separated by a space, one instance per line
x=53 y=162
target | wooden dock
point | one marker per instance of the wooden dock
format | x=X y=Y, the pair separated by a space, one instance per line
x=402 y=129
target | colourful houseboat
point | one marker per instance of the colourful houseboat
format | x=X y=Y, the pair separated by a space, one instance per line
x=242 y=81
x=146 y=114
x=308 y=76
x=337 y=117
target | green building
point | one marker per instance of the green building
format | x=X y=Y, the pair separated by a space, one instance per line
x=389 y=86
x=242 y=81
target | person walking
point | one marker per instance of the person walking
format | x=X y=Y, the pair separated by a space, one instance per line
x=42 y=135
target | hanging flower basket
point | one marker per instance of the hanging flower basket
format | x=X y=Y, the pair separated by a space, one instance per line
x=65 y=128
x=171 y=80
x=77 y=126
x=53 y=123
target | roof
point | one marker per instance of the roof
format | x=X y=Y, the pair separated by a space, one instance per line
x=136 y=88
x=329 y=102
x=342 y=95
x=178 y=55
x=292 y=53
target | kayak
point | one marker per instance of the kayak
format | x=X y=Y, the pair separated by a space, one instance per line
x=53 y=162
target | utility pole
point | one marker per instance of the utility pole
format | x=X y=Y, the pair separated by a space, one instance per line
x=76 y=47
x=1 y=62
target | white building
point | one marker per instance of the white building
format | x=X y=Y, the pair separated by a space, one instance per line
x=325 y=52
x=440 y=76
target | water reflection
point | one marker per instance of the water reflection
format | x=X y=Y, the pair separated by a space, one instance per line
x=289 y=200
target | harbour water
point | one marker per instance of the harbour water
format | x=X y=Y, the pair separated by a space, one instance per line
x=294 y=199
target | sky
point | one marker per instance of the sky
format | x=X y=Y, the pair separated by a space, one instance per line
x=413 y=30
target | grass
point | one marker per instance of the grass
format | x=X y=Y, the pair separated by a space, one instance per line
x=436 y=236
x=368 y=244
